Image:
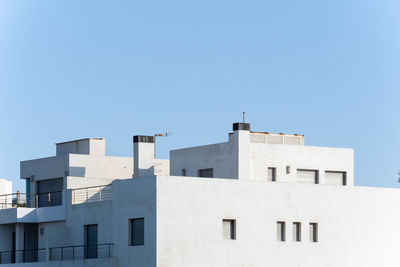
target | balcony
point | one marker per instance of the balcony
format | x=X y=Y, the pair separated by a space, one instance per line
x=21 y=256
x=32 y=208
x=68 y=253
x=24 y=200
x=81 y=252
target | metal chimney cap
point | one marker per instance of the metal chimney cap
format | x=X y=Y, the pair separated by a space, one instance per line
x=241 y=126
x=143 y=139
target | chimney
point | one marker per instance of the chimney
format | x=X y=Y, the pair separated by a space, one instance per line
x=143 y=153
x=241 y=138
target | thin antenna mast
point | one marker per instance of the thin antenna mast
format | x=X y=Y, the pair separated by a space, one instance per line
x=244 y=117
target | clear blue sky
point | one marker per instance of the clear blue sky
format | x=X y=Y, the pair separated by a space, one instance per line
x=326 y=69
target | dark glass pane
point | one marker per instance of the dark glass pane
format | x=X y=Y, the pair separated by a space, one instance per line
x=137 y=232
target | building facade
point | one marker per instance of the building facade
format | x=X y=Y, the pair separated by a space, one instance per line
x=259 y=199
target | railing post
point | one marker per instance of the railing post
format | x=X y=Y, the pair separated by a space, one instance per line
x=109 y=250
x=48 y=199
x=100 y=195
x=73 y=253
x=73 y=196
x=18 y=198
x=87 y=194
x=37 y=200
x=50 y=254
x=62 y=254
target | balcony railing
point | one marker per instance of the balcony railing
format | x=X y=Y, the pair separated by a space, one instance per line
x=30 y=200
x=81 y=252
x=17 y=256
x=92 y=194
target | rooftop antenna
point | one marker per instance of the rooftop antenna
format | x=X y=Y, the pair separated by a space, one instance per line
x=166 y=134
x=244 y=117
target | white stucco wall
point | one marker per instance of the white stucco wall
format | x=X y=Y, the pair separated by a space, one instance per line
x=5 y=186
x=100 y=166
x=357 y=226
x=221 y=157
x=240 y=158
x=322 y=159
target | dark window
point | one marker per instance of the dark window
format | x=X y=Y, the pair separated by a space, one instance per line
x=184 y=172
x=49 y=192
x=313 y=232
x=297 y=231
x=206 y=173
x=91 y=241
x=136 y=232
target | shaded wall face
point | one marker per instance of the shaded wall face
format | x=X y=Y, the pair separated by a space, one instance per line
x=136 y=198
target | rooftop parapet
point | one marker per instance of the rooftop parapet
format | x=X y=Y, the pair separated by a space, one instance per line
x=87 y=146
x=277 y=138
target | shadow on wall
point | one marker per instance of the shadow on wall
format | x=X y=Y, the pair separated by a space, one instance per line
x=77 y=171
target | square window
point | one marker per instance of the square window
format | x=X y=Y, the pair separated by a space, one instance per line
x=136 y=232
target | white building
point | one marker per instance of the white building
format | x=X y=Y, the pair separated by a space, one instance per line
x=259 y=199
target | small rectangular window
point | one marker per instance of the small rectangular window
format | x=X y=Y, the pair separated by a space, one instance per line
x=183 y=172
x=297 y=231
x=272 y=174
x=307 y=176
x=313 y=232
x=229 y=229
x=281 y=231
x=206 y=173
x=136 y=232
x=335 y=178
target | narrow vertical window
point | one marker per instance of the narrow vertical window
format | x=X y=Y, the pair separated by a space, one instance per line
x=272 y=174
x=136 y=232
x=313 y=232
x=229 y=229
x=183 y=172
x=296 y=231
x=281 y=231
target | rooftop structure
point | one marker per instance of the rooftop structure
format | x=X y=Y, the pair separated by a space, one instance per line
x=258 y=199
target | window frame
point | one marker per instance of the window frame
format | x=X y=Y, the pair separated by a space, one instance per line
x=297 y=231
x=273 y=172
x=232 y=229
x=131 y=232
x=313 y=232
x=281 y=235
x=205 y=169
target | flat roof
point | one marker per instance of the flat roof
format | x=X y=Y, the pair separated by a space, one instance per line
x=78 y=140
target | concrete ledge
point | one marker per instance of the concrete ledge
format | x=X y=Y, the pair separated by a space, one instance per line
x=106 y=262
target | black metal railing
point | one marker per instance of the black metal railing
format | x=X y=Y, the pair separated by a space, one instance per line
x=28 y=255
x=81 y=252
x=24 y=200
